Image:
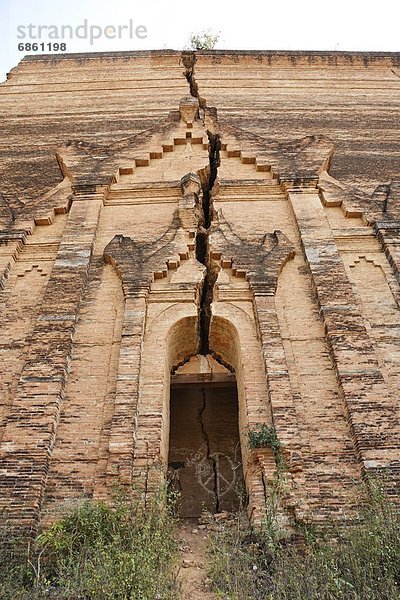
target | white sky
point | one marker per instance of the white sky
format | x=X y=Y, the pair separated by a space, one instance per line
x=253 y=24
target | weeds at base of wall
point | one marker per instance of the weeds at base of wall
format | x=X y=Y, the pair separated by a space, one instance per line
x=96 y=552
x=358 y=561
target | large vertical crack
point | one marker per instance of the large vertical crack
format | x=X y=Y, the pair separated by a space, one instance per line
x=211 y=460
x=208 y=178
x=189 y=61
x=202 y=243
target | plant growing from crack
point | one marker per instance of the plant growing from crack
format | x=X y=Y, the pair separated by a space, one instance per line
x=263 y=436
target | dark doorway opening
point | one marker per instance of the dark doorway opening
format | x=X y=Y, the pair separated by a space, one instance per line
x=205 y=463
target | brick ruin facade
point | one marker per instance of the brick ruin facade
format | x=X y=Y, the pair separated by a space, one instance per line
x=191 y=245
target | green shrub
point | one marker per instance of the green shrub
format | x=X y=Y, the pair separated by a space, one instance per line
x=358 y=561
x=16 y=574
x=98 y=552
x=262 y=436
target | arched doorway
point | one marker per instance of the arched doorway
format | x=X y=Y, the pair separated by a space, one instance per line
x=171 y=338
x=205 y=462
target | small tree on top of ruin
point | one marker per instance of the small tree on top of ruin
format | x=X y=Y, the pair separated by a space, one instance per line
x=204 y=40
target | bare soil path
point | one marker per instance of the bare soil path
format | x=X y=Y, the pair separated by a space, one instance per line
x=194 y=566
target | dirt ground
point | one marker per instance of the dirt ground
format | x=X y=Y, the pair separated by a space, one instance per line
x=194 y=565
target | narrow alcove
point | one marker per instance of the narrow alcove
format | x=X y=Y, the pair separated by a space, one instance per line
x=204 y=462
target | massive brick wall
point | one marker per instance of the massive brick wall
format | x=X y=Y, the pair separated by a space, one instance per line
x=353 y=98
x=161 y=206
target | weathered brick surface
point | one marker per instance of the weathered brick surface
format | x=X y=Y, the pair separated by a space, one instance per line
x=350 y=97
x=31 y=425
x=146 y=229
x=372 y=409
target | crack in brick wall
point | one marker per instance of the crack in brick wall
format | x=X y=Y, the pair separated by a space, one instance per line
x=207 y=213
x=210 y=458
